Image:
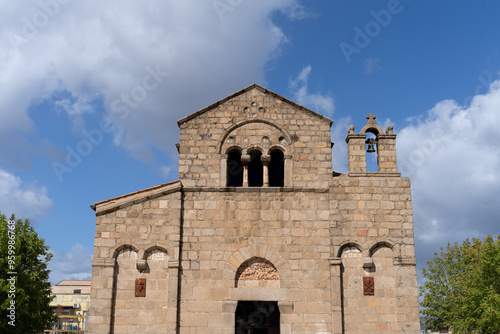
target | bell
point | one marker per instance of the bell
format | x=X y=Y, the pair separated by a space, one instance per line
x=370 y=149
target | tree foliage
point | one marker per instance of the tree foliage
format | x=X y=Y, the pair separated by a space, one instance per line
x=25 y=291
x=462 y=288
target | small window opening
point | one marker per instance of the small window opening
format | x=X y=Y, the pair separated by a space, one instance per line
x=77 y=291
x=255 y=170
x=234 y=169
x=277 y=169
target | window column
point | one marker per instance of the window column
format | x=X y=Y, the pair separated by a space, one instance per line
x=266 y=159
x=245 y=160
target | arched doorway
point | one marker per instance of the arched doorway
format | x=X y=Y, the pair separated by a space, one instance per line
x=257 y=317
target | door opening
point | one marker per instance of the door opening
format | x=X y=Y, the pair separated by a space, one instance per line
x=257 y=317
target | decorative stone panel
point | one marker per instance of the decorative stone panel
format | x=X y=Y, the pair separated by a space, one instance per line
x=259 y=271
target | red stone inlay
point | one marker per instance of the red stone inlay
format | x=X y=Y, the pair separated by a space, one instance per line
x=140 y=287
x=368 y=286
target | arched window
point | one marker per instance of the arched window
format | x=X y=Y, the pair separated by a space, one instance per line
x=371 y=152
x=255 y=170
x=234 y=169
x=277 y=169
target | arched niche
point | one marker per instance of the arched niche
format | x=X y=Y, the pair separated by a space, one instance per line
x=380 y=244
x=126 y=247
x=125 y=274
x=349 y=246
x=157 y=259
x=385 y=278
x=124 y=298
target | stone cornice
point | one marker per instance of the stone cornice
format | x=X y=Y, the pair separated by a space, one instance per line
x=374 y=174
x=255 y=189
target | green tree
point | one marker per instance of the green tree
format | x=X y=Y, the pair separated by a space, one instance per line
x=24 y=279
x=462 y=288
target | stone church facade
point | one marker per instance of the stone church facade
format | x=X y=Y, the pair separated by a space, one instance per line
x=259 y=235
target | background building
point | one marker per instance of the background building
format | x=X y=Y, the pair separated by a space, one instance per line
x=72 y=298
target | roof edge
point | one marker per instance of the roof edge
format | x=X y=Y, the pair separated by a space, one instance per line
x=139 y=196
x=244 y=90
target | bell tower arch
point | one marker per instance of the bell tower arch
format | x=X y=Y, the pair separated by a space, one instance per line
x=384 y=145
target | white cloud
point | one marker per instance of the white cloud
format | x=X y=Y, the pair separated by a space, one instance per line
x=98 y=51
x=316 y=101
x=452 y=158
x=76 y=108
x=24 y=200
x=75 y=264
x=372 y=65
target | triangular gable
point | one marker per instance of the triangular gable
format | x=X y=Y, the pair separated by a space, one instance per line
x=119 y=202
x=244 y=90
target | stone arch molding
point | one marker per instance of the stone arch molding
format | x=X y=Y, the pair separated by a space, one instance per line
x=286 y=135
x=367 y=249
x=348 y=244
x=123 y=246
x=371 y=126
x=142 y=253
x=383 y=243
x=272 y=148
x=257 y=251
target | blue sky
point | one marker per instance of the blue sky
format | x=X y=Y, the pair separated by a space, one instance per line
x=91 y=92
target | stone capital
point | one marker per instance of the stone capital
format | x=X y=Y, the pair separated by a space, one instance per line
x=141 y=264
x=335 y=261
x=245 y=159
x=368 y=262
